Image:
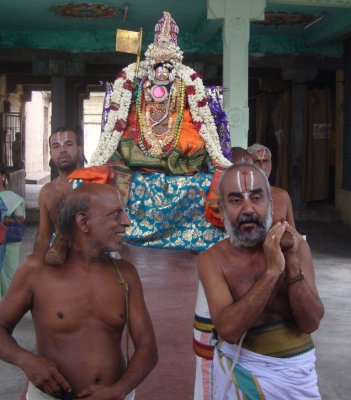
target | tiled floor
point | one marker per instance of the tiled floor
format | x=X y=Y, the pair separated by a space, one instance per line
x=170 y=283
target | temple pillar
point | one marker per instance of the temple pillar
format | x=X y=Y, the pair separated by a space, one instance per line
x=298 y=76
x=58 y=99
x=67 y=105
x=236 y=16
x=75 y=92
x=297 y=144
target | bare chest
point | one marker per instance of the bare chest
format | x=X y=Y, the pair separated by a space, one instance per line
x=243 y=274
x=63 y=304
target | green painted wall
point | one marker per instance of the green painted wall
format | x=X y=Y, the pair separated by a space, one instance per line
x=79 y=41
x=291 y=45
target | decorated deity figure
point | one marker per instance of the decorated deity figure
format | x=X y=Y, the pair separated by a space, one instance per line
x=161 y=128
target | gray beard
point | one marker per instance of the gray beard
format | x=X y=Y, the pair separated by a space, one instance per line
x=249 y=238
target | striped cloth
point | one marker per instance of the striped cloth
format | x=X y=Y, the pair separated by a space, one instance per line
x=259 y=377
x=203 y=345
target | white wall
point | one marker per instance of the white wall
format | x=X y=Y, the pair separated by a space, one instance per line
x=34 y=112
x=92 y=122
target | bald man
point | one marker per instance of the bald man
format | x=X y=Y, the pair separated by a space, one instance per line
x=282 y=207
x=81 y=307
x=264 y=304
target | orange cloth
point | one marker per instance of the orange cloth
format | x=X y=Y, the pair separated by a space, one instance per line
x=189 y=141
x=212 y=212
x=95 y=174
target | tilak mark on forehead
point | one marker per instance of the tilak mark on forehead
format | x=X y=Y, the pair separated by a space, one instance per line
x=62 y=137
x=248 y=181
x=262 y=155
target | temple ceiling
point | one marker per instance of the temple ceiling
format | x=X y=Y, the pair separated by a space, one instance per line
x=70 y=26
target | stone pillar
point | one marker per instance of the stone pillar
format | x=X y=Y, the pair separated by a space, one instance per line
x=297 y=135
x=297 y=146
x=236 y=16
x=58 y=99
x=347 y=117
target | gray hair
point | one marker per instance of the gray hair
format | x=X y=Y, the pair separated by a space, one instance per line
x=243 y=165
x=246 y=239
x=253 y=149
x=73 y=205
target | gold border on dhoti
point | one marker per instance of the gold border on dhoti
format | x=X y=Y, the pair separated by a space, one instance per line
x=278 y=339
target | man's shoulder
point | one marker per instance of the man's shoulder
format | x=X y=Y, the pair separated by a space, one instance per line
x=34 y=260
x=124 y=267
x=57 y=186
x=279 y=191
x=218 y=249
x=49 y=186
x=33 y=263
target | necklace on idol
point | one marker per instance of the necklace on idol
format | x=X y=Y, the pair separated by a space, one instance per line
x=157 y=137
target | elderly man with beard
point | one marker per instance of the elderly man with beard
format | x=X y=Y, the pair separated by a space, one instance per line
x=264 y=303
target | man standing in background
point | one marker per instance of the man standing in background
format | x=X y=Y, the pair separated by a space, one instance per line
x=66 y=154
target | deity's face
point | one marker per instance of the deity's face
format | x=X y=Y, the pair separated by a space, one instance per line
x=161 y=73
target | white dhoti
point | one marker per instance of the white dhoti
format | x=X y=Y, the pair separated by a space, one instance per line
x=203 y=345
x=259 y=377
x=33 y=393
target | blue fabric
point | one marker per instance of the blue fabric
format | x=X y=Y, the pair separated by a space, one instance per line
x=168 y=212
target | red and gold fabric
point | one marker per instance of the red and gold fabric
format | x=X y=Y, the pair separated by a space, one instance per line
x=187 y=158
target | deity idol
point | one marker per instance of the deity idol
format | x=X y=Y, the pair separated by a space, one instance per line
x=160 y=126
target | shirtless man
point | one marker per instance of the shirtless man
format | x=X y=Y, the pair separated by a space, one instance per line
x=203 y=342
x=239 y=154
x=282 y=207
x=255 y=289
x=79 y=308
x=66 y=153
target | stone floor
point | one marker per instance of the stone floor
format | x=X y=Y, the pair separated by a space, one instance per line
x=170 y=283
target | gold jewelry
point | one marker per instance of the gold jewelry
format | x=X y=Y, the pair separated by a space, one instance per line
x=299 y=277
x=159 y=127
x=273 y=237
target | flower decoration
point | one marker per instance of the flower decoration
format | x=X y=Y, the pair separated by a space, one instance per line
x=163 y=50
x=120 y=125
x=190 y=90
x=202 y=102
x=122 y=96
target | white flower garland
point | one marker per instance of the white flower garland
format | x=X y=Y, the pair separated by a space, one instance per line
x=122 y=97
x=203 y=115
x=109 y=139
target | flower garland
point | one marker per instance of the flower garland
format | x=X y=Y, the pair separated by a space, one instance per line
x=121 y=99
x=201 y=114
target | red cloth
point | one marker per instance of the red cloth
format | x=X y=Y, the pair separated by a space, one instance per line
x=95 y=174
x=212 y=212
